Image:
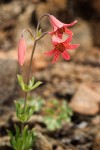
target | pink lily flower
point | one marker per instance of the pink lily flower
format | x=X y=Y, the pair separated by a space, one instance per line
x=61 y=48
x=59 y=28
x=21 y=51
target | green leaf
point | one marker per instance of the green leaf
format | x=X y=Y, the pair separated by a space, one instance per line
x=25 y=132
x=24 y=115
x=32 y=38
x=22 y=118
x=50 y=111
x=55 y=102
x=21 y=81
x=32 y=109
x=18 y=108
x=31 y=83
x=39 y=33
x=36 y=85
x=52 y=123
x=56 y=116
x=17 y=131
x=28 y=87
x=22 y=140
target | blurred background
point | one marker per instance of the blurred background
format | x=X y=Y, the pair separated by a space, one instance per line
x=16 y=15
x=78 y=80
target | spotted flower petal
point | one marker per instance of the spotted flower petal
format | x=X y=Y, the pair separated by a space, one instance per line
x=60 y=35
x=67 y=31
x=60 y=48
x=71 y=46
x=68 y=40
x=50 y=53
x=65 y=55
x=56 y=57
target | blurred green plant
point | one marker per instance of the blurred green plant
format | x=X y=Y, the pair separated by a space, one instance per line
x=38 y=102
x=28 y=87
x=57 y=115
x=22 y=114
x=22 y=140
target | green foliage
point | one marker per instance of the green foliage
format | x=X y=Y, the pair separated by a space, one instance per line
x=39 y=33
x=30 y=86
x=38 y=102
x=52 y=123
x=57 y=115
x=22 y=141
x=24 y=114
x=66 y=112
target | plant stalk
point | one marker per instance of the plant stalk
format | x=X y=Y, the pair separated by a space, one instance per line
x=29 y=72
x=39 y=23
x=30 y=65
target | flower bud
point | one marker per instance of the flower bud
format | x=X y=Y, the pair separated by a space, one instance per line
x=21 y=50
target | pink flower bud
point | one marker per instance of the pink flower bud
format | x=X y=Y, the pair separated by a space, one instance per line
x=21 y=51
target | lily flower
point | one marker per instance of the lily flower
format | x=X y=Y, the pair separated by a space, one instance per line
x=59 y=28
x=21 y=50
x=61 y=48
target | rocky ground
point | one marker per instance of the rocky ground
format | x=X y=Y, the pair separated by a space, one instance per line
x=76 y=81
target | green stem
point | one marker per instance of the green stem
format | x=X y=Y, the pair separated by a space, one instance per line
x=39 y=23
x=29 y=71
x=22 y=126
x=27 y=29
x=30 y=65
x=36 y=39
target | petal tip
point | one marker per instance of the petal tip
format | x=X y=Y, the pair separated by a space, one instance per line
x=75 y=21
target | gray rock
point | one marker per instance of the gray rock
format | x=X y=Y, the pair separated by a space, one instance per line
x=85 y=100
x=8 y=71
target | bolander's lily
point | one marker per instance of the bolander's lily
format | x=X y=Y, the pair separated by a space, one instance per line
x=59 y=28
x=61 y=48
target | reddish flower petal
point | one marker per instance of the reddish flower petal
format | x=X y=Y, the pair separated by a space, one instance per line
x=72 y=46
x=71 y=24
x=59 y=28
x=67 y=31
x=61 y=47
x=53 y=25
x=50 y=53
x=59 y=35
x=55 y=22
x=21 y=51
x=55 y=40
x=52 y=33
x=68 y=40
x=65 y=55
x=56 y=57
